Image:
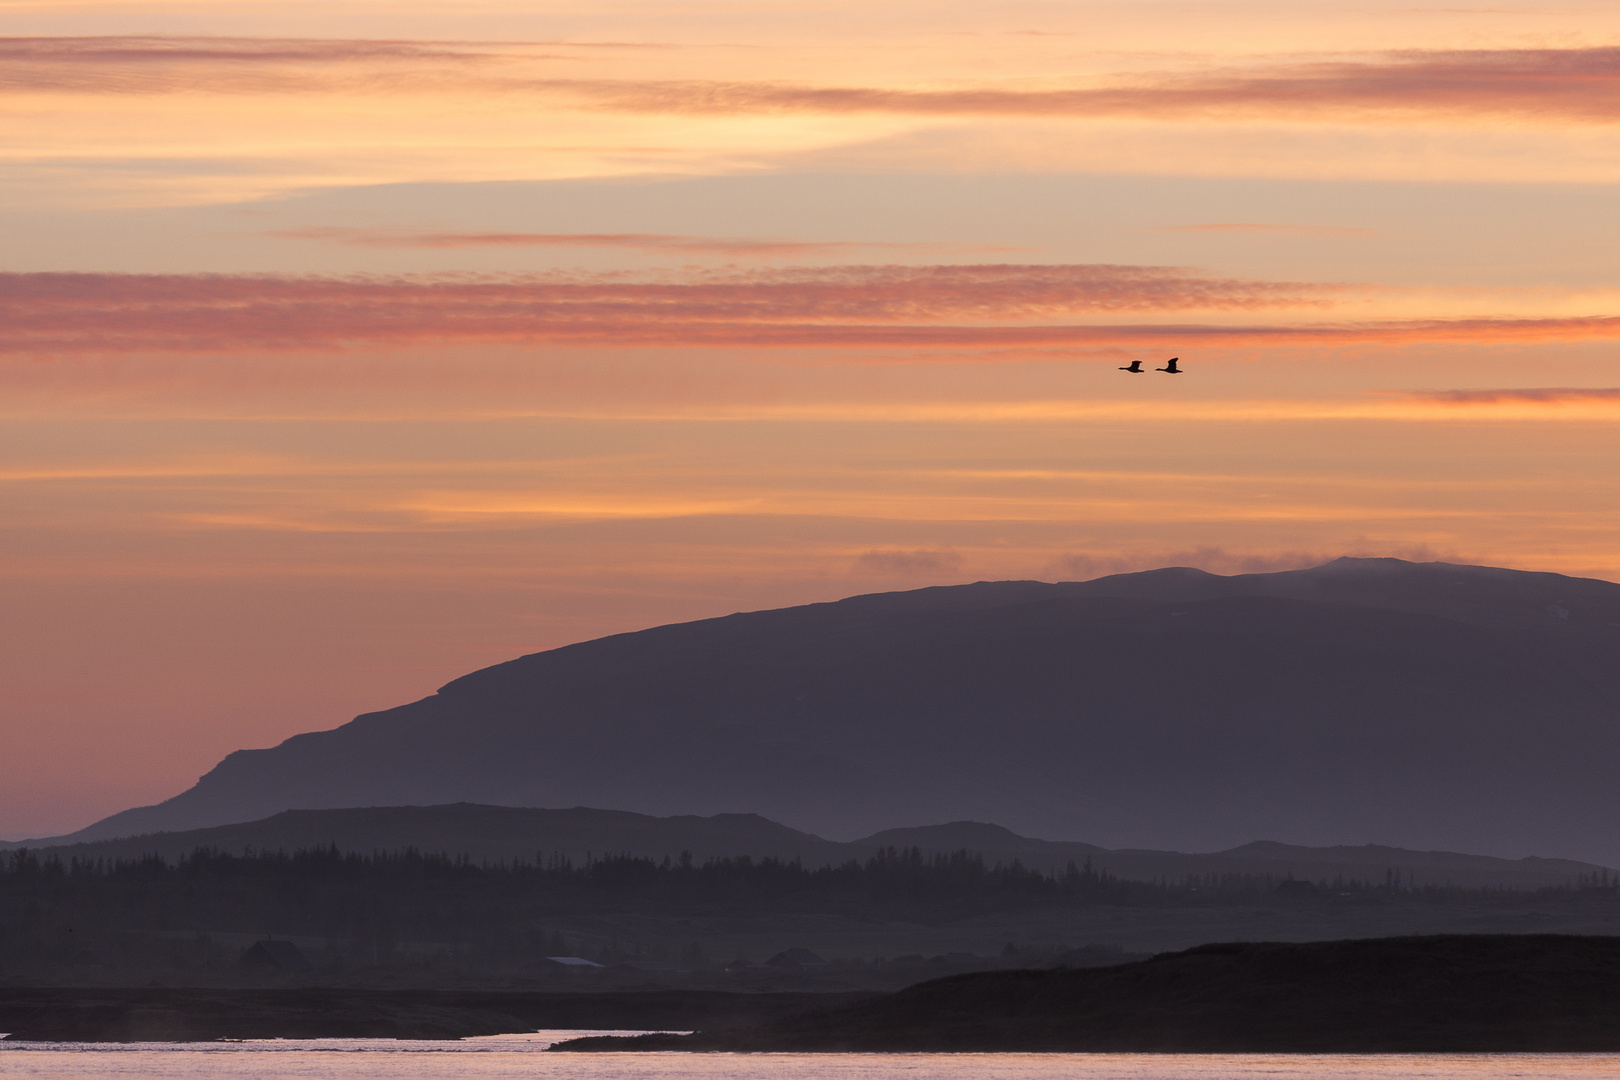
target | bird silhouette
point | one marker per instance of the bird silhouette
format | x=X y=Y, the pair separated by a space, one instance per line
x=1135 y=368
x=1172 y=369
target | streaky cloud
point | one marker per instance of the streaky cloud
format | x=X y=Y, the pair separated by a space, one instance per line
x=831 y=305
x=1248 y=227
x=966 y=307
x=164 y=64
x=1570 y=84
x=1535 y=395
x=165 y=50
x=739 y=247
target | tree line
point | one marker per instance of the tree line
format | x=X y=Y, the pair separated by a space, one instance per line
x=372 y=902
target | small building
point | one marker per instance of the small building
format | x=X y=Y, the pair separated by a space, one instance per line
x=573 y=965
x=273 y=955
x=795 y=958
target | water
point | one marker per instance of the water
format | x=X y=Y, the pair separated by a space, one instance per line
x=501 y=1057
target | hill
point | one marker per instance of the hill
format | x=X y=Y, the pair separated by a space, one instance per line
x=1422 y=706
x=500 y=833
x=1457 y=994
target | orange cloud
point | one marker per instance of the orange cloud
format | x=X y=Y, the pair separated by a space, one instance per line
x=155 y=65
x=1240 y=227
x=1549 y=395
x=696 y=245
x=1568 y=84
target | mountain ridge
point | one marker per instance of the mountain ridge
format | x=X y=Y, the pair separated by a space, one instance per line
x=1414 y=705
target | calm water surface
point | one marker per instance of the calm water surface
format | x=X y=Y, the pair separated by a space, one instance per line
x=513 y=1056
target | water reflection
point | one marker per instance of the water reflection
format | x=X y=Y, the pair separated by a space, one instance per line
x=500 y=1057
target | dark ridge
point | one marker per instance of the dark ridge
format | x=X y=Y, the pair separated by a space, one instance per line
x=482 y=833
x=1417 y=706
x=1431 y=994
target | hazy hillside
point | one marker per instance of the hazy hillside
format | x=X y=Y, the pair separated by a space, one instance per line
x=492 y=833
x=1422 y=706
x=483 y=833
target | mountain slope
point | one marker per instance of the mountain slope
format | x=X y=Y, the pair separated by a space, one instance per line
x=1417 y=705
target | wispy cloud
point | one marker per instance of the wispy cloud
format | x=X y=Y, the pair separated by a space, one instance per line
x=841 y=305
x=1534 y=395
x=1542 y=84
x=163 y=50
x=734 y=247
x=159 y=65
x=1570 y=84
x=1245 y=227
x=1013 y=308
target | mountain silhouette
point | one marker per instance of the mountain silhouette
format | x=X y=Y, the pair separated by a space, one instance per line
x=511 y=834
x=1363 y=701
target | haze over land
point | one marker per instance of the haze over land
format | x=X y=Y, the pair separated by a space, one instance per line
x=1426 y=706
x=499 y=834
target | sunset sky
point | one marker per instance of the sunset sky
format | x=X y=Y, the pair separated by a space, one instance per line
x=350 y=346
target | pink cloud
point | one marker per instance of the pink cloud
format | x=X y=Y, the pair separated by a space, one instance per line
x=1570 y=84
x=155 y=64
x=159 y=50
x=834 y=305
x=948 y=307
x=741 y=247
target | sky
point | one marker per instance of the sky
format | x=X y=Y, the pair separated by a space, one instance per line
x=347 y=347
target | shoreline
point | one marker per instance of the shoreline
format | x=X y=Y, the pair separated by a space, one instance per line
x=1446 y=994
x=179 y=1014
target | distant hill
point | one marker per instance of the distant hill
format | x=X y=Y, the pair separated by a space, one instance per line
x=494 y=833
x=1455 y=994
x=482 y=833
x=1367 y=700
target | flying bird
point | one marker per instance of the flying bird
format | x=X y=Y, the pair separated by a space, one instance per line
x=1135 y=368
x=1172 y=369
